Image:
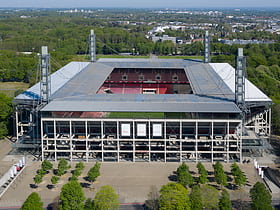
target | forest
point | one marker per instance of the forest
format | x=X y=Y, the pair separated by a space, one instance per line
x=66 y=36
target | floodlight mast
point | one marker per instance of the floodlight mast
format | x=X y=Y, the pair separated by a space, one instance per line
x=92 y=47
x=45 y=83
x=240 y=80
x=206 y=47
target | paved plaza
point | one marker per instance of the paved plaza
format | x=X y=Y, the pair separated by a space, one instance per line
x=132 y=181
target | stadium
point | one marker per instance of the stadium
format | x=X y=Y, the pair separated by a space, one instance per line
x=127 y=109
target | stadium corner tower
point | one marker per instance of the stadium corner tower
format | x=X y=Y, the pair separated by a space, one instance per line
x=140 y=110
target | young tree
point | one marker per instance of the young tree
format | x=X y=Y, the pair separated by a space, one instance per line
x=77 y=172
x=54 y=180
x=5 y=113
x=185 y=178
x=89 y=204
x=196 y=198
x=106 y=198
x=174 y=196
x=210 y=197
x=239 y=178
x=94 y=172
x=183 y=175
x=152 y=201
x=46 y=165
x=261 y=198
x=80 y=166
x=33 y=202
x=224 y=202
x=220 y=176
x=182 y=167
x=202 y=179
x=62 y=166
x=72 y=196
x=37 y=179
x=41 y=172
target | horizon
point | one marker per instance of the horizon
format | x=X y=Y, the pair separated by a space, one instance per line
x=143 y=4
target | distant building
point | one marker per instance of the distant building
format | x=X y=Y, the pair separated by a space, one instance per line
x=243 y=42
x=175 y=40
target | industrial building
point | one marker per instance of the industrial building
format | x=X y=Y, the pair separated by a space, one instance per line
x=141 y=110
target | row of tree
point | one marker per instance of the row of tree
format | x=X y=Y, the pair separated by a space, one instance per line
x=185 y=178
x=174 y=196
x=72 y=195
x=186 y=194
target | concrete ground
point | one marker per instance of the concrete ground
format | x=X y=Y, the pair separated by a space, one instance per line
x=131 y=181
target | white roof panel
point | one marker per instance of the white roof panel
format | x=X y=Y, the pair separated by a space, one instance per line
x=227 y=73
x=58 y=79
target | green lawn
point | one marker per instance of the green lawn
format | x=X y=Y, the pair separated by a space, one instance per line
x=11 y=88
x=182 y=57
x=153 y=115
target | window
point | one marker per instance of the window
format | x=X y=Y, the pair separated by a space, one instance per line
x=158 y=77
x=141 y=77
x=149 y=91
x=174 y=77
x=124 y=77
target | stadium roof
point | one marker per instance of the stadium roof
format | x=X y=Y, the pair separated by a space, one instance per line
x=143 y=103
x=74 y=88
x=227 y=74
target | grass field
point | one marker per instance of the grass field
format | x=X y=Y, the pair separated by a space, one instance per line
x=10 y=88
x=182 y=57
x=86 y=58
x=139 y=115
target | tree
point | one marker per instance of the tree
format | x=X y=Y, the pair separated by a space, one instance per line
x=46 y=165
x=183 y=175
x=261 y=198
x=72 y=196
x=224 y=202
x=89 y=204
x=196 y=198
x=210 y=197
x=33 y=202
x=202 y=179
x=37 y=179
x=220 y=176
x=185 y=178
x=152 y=201
x=106 y=198
x=80 y=166
x=77 y=172
x=239 y=178
x=54 y=179
x=62 y=166
x=94 y=172
x=41 y=172
x=182 y=167
x=5 y=112
x=174 y=196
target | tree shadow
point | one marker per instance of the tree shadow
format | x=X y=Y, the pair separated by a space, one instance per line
x=232 y=186
x=33 y=186
x=139 y=207
x=50 y=186
x=173 y=178
x=211 y=179
x=229 y=179
x=240 y=204
x=85 y=185
x=210 y=173
x=86 y=178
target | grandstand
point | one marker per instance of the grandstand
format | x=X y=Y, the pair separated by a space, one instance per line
x=141 y=110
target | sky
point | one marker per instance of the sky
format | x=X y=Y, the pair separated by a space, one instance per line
x=140 y=3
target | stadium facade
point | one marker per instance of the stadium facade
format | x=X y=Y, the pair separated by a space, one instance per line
x=140 y=110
